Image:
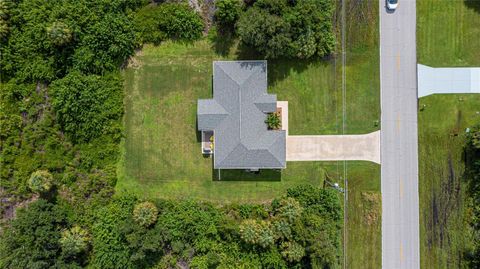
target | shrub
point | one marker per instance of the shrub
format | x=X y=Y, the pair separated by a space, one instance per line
x=273 y=121
x=145 y=213
x=40 y=181
x=74 y=241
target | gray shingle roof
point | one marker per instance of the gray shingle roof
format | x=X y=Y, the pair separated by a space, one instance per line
x=237 y=115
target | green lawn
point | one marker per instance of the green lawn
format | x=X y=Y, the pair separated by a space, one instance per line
x=448 y=35
x=448 y=32
x=161 y=156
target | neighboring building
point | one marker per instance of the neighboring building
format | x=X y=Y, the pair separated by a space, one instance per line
x=236 y=118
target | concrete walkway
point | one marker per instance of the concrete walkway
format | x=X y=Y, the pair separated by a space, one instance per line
x=334 y=147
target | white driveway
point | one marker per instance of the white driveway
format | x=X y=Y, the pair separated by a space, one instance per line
x=364 y=147
x=447 y=80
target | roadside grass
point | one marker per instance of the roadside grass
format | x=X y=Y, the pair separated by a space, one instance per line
x=364 y=237
x=448 y=35
x=443 y=224
x=364 y=248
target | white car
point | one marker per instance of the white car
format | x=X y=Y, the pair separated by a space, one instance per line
x=392 y=4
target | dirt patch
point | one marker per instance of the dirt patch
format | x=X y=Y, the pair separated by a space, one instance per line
x=371 y=207
x=10 y=204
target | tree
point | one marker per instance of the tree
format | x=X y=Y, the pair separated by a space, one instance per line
x=145 y=213
x=177 y=21
x=32 y=239
x=40 y=181
x=74 y=241
x=257 y=233
x=59 y=33
x=4 y=15
x=292 y=251
x=88 y=106
x=227 y=13
x=289 y=209
x=293 y=29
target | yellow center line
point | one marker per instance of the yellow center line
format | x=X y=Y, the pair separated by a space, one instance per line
x=398 y=61
x=401 y=253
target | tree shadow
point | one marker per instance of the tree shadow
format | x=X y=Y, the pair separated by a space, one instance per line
x=473 y=4
x=265 y=175
x=280 y=69
x=223 y=41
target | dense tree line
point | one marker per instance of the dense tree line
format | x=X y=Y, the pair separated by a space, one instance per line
x=473 y=175
x=294 y=29
x=298 y=230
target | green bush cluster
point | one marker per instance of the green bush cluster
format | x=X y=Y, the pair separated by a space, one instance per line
x=292 y=29
x=88 y=106
x=205 y=236
x=155 y=23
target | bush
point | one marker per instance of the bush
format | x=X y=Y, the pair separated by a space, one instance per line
x=88 y=106
x=292 y=29
x=153 y=24
x=40 y=181
x=74 y=241
x=145 y=213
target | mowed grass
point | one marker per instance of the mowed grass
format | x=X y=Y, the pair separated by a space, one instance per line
x=448 y=35
x=162 y=155
x=448 y=32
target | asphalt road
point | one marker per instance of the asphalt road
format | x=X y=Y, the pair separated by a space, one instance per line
x=399 y=140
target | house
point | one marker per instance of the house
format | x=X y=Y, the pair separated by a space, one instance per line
x=233 y=122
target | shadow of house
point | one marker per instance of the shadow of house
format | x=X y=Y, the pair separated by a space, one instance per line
x=263 y=175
